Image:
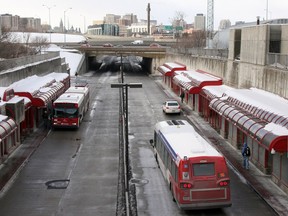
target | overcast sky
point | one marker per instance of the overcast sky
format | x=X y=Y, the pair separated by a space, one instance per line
x=85 y=11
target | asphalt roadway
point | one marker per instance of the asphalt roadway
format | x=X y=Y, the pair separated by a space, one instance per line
x=260 y=182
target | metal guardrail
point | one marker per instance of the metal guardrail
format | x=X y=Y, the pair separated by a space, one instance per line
x=277 y=60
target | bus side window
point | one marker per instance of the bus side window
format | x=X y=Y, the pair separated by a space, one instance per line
x=174 y=172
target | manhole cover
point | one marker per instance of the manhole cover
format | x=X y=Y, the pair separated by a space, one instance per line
x=57 y=184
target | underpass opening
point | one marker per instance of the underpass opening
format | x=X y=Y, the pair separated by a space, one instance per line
x=130 y=63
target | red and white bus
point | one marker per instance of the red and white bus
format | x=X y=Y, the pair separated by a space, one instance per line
x=195 y=171
x=69 y=109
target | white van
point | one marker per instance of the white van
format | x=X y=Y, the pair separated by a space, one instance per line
x=137 y=42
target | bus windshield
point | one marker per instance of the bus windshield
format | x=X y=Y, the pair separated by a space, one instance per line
x=203 y=169
x=65 y=112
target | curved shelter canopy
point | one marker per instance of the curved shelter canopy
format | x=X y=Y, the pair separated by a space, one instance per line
x=211 y=92
x=174 y=66
x=254 y=120
x=40 y=90
x=60 y=77
x=193 y=81
x=169 y=68
x=165 y=71
x=47 y=94
x=7 y=126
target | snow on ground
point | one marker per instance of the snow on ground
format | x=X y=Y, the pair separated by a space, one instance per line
x=72 y=57
x=55 y=37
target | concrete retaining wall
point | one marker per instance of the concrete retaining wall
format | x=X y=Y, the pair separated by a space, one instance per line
x=35 y=65
x=238 y=74
x=211 y=65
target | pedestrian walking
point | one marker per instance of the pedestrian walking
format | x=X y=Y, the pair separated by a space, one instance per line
x=246 y=154
x=182 y=96
x=45 y=118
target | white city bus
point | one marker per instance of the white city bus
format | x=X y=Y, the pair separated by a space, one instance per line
x=195 y=171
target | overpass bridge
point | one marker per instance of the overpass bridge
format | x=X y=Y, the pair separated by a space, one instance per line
x=143 y=51
x=152 y=57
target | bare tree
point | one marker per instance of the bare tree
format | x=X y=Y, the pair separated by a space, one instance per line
x=178 y=24
x=6 y=35
x=178 y=17
x=10 y=46
x=195 y=40
x=38 y=43
x=199 y=38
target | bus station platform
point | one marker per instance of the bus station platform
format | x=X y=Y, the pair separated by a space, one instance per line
x=260 y=182
x=17 y=160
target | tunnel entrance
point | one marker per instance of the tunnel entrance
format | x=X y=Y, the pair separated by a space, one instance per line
x=113 y=63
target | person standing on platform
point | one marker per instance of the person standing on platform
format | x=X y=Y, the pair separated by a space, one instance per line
x=246 y=154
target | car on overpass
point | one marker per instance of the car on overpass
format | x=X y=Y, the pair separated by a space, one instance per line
x=107 y=45
x=156 y=45
x=137 y=42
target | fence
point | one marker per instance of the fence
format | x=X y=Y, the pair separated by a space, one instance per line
x=216 y=53
x=18 y=62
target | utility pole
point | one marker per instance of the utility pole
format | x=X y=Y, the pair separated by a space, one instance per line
x=84 y=27
x=267 y=10
x=64 y=26
x=148 y=18
x=49 y=18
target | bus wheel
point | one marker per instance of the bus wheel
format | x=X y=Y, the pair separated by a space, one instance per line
x=172 y=193
x=157 y=160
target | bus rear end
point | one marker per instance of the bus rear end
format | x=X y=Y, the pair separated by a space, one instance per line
x=203 y=183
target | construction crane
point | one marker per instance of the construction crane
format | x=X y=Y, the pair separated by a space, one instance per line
x=210 y=15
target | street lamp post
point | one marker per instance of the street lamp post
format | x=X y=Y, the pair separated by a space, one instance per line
x=64 y=26
x=267 y=10
x=84 y=27
x=121 y=69
x=49 y=18
x=126 y=142
x=126 y=86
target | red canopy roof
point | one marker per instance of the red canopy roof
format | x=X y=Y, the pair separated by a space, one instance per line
x=266 y=133
x=7 y=126
x=193 y=81
x=44 y=95
x=169 y=68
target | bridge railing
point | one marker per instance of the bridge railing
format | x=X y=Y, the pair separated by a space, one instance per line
x=217 y=53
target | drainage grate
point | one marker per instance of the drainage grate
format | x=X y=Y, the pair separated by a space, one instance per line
x=57 y=184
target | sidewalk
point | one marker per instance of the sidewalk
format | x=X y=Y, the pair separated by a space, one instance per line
x=11 y=167
x=261 y=183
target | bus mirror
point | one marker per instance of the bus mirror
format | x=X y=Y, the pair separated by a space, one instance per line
x=151 y=142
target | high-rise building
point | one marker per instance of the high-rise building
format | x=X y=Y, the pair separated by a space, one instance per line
x=111 y=19
x=10 y=22
x=199 y=22
x=30 y=24
x=131 y=17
